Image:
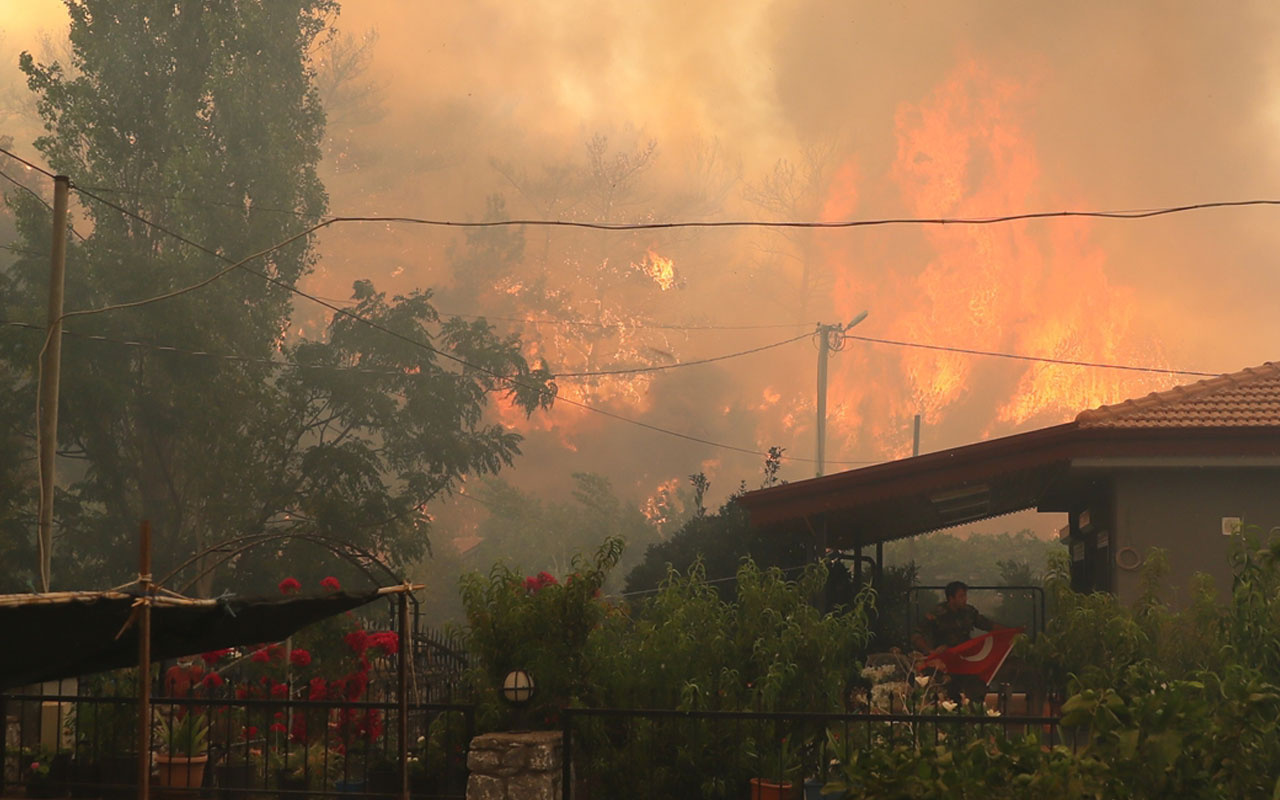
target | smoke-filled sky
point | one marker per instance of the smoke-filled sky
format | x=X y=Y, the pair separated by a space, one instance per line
x=661 y=111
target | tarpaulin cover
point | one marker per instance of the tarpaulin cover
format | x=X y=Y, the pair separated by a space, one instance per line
x=47 y=640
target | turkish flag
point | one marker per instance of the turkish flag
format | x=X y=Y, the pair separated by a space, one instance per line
x=982 y=656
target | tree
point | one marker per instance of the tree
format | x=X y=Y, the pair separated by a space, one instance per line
x=203 y=117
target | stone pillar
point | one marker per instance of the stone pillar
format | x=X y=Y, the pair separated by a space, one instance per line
x=515 y=766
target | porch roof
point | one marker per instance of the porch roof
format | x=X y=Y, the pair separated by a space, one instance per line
x=1230 y=416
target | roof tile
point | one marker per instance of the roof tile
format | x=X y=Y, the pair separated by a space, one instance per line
x=1248 y=398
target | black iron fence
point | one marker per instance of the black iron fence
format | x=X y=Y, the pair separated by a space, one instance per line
x=659 y=753
x=220 y=745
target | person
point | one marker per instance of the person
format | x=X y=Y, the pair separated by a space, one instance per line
x=950 y=623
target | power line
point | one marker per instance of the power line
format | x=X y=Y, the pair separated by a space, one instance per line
x=1045 y=360
x=1123 y=214
x=42 y=201
x=663 y=367
x=36 y=167
x=833 y=225
x=242 y=264
x=367 y=371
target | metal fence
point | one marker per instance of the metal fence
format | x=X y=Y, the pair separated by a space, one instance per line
x=658 y=753
x=220 y=745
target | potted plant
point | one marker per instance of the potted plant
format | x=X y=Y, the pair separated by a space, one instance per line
x=39 y=771
x=778 y=768
x=182 y=757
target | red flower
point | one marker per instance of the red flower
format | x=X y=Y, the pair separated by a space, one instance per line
x=290 y=586
x=214 y=656
x=330 y=584
x=386 y=641
x=262 y=656
x=300 y=658
x=356 y=684
x=278 y=727
x=280 y=690
x=250 y=731
x=241 y=693
x=316 y=689
x=357 y=640
x=546 y=578
x=212 y=681
x=299 y=732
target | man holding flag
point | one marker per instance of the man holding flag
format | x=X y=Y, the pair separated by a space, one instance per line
x=970 y=663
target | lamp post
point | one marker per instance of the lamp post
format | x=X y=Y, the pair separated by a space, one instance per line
x=517 y=691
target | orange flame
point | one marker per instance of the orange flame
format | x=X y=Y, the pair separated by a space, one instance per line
x=1031 y=288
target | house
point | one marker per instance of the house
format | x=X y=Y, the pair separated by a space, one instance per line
x=1180 y=469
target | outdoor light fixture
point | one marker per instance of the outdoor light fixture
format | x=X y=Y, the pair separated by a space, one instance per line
x=517 y=687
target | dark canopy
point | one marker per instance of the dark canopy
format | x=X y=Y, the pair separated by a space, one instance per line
x=65 y=634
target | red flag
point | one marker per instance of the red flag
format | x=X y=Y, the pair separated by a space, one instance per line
x=982 y=656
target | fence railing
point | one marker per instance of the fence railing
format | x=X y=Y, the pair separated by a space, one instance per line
x=662 y=753
x=58 y=745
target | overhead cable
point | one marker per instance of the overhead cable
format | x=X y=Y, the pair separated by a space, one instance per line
x=1040 y=359
x=242 y=264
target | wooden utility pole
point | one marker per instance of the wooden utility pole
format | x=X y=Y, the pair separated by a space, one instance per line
x=50 y=372
x=830 y=337
x=402 y=667
x=144 y=663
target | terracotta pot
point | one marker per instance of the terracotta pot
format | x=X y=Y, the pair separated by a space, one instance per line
x=762 y=789
x=180 y=772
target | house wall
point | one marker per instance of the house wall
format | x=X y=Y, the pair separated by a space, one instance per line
x=1181 y=510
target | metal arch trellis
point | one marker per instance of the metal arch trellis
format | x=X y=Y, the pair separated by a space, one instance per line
x=362 y=559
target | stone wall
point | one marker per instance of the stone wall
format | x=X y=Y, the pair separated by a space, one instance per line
x=515 y=766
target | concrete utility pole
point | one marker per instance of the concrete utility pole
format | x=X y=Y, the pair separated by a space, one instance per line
x=830 y=337
x=50 y=372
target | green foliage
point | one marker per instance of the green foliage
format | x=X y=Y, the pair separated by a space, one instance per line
x=537 y=624
x=181 y=733
x=719 y=541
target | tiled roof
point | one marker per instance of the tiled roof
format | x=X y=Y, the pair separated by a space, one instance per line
x=1248 y=398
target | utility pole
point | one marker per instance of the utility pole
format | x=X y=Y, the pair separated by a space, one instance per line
x=915 y=451
x=50 y=372
x=830 y=337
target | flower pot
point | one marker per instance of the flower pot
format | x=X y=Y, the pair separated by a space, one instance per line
x=180 y=772
x=232 y=776
x=762 y=789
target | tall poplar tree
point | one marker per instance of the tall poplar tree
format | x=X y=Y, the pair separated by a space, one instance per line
x=201 y=116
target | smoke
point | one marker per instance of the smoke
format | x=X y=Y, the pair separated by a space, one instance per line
x=816 y=109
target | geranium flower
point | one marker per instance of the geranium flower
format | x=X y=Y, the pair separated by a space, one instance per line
x=330 y=584
x=357 y=640
x=212 y=681
x=261 y=656
x=290 y=586
x=278 y=727
x=316 y=689
x=386 y=641
x=214 y=656
x=280 y=690
x=299 y=657
x=250 y=731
